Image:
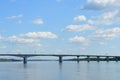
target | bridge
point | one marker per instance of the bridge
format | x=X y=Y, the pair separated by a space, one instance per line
x=60 y=56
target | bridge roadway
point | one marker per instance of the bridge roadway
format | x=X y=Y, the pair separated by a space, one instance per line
x=60 y=56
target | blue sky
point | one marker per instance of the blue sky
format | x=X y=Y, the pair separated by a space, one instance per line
x=60 y=26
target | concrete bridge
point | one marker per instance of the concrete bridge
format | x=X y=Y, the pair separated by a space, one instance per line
x=60 y=56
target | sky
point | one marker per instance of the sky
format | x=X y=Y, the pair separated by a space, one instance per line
x=60 y=26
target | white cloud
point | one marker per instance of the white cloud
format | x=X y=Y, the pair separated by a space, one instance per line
x=40 y=35
x=77 y=39
x=79 y=28
x=80 y=18
x=30 y=38
x=38 y=21
x=110 y=14
x=15 y=17
x=24 y=40
x=107 y=34
x=107 y=18
x=20 y=39
x=101 y=4
x=100 y=36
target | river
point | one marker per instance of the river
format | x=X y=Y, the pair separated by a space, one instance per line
x=52 y=70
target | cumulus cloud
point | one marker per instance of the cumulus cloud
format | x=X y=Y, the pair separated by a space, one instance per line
x=80 y=18
x=38 y=21
x=99 y=36
x=15 y=17
x=107 y=34
x=78 y=28
x=40 y=35
x=20 y=39
x=77 y=39
x=110 y=8
x=101 y=4
x=30 y=38
x=106 y=18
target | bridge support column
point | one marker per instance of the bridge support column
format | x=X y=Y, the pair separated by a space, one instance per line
x=24 y=60
x=60 y=59
x=98 y=58
x=116 y=58
x=107 y=58
x=88 y=58
x=78 y=58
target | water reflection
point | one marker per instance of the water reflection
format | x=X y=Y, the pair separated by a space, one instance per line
x=78 y=71
x=60 y=71
x=60 y=65
x=24 y=65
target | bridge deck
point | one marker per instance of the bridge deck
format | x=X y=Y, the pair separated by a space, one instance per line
x=30 y=55
x=25 y=56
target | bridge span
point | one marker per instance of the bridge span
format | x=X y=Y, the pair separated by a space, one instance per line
x=60 y=56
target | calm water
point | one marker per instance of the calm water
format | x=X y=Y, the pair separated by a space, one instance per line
x=54 y=71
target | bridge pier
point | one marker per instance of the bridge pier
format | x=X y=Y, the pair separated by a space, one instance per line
x=107 y=58
x=88 y=58
x=98 y=58
x=60 y=59
x=24 y=60
x=78 y=58
x=116 y=58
